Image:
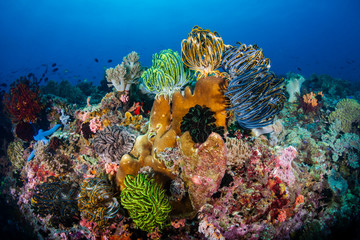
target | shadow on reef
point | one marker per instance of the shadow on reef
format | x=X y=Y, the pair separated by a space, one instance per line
x=12 y=225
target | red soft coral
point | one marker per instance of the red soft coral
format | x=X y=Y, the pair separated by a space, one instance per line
x=22 y=103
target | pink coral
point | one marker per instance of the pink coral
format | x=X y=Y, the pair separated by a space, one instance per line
x=95 y=124
x=283 y=169
x=111 y=168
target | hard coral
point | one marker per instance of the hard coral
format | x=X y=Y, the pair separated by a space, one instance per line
x=56 y=197
x=23 y=103
x=348 y=112
x=200 y=122
x=147 y=203
x=113 y=142
x=96 y=201
x=164 y=127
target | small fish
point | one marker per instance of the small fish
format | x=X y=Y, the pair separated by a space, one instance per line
x=43 y=75
x=109 y=61
x=3 y=85
x=55 y=69
x=96 y=60
x=299 y=69
x=46 y=79
x=30 y=75
x=53 y=65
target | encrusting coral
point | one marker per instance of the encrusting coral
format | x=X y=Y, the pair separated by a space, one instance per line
x=147 y=203
x=122 y=76
x=113 y=142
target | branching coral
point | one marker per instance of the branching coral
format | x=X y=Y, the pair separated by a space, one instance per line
x=202 y=51
x=255 y=93
x=96 y=201
x=200 y=123
x=348 y=112
x=113 y=142
x=311 y=103
x=57 y=198
x=167 y=74
x=122 y=76
x=23 y=103
x=147 y=203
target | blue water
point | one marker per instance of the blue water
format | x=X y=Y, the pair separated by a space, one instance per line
x=306 y=37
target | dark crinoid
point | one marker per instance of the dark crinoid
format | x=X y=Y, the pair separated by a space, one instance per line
x=200 y=122
x=58 y=198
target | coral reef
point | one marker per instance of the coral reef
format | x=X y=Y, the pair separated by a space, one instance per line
x=122 y=76
x=147 y=203
x=167 y=74
x=15 y=153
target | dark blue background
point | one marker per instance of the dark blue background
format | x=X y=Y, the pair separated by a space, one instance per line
x=319 y=36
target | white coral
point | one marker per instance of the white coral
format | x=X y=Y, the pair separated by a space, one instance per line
x=293 y=86
x=122 y=76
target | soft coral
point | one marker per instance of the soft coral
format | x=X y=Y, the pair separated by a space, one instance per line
x=23 y=102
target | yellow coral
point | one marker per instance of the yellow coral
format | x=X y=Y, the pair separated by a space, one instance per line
x=133 y=120
x=348 y=112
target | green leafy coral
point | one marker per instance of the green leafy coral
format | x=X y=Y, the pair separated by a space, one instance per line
x=146 y=201
x=167 y=74
x=348 y=112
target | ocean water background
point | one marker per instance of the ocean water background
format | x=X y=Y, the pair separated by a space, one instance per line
x=306 y=37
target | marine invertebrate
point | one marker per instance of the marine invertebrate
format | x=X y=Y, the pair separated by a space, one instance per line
x=96 y=201
x=42 y=136
x=167 y=74
x=25 y=131
x=200 y=122
x=256 y=94
x=122 y=76
x=23 y=102
x=348 y=112
x=15 y=153
x=283 y=169
x=146 y=202
x=293 y=85
x=202 y=51
x=203 y=167
x=113 y=142
x=56 y=197
x=311 y=102
x=95 y=124
x=164 y=127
